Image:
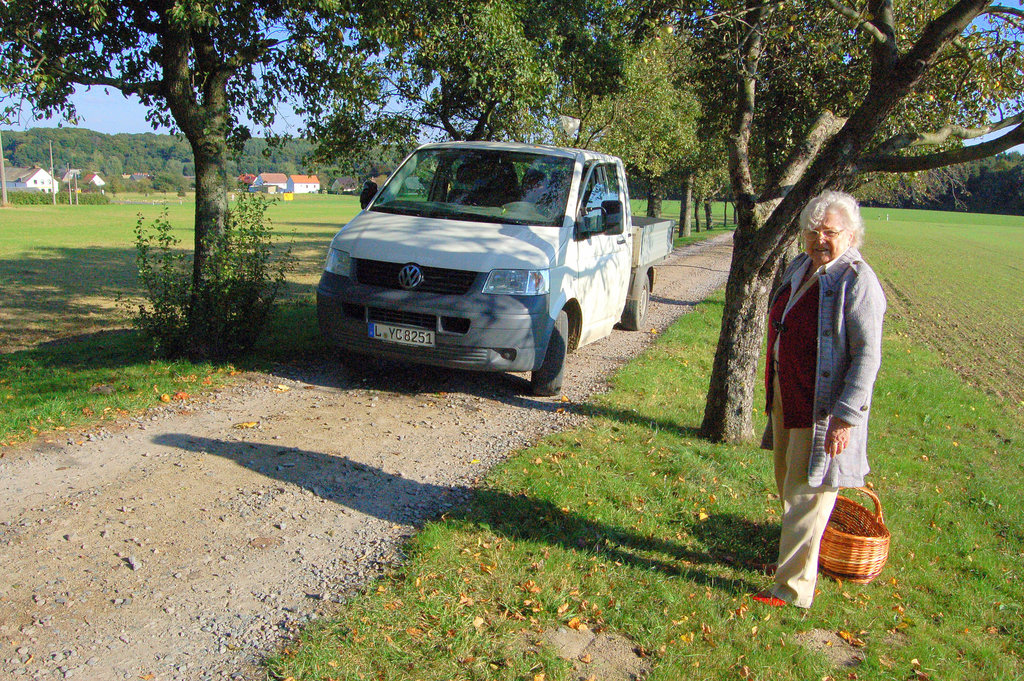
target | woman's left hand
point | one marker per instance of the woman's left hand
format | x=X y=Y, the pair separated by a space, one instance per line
x=837 y=437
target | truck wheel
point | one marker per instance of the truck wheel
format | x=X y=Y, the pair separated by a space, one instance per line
x=547 y=380
x=636 y=308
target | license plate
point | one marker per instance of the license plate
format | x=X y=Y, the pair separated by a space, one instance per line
x=402 y=334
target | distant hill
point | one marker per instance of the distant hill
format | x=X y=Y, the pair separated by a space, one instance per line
x=112 y=155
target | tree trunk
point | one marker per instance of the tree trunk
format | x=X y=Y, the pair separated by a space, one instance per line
x=707 y=215
x=686 y=206
x=203 y=116
x=654 y=198
x=211 y=200
x=729 y=406
x=697 y=202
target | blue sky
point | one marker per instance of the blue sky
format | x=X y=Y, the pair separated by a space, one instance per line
x=99 y=109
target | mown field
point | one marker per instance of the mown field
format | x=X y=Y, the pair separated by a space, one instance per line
x=958 y=280
x=62 y=268
x=65 y=356
x=635 y=526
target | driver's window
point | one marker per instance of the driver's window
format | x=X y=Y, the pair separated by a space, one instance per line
x=602 y=185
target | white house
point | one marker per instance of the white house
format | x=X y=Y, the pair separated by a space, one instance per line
x=303 y=184
x=270 y=183
x=93 y=179
x=29 y=180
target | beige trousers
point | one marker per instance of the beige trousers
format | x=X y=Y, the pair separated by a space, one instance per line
x=805 y=511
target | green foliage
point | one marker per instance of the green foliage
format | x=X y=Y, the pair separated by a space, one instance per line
x=482 y=69
x=229 y=307
x=45 y=199
x=112 y=155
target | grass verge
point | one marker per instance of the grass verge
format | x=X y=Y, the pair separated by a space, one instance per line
x=633 y=525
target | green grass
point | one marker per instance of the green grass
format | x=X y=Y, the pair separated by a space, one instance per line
x=957 y=281
x=62 y=269
x=634 y=525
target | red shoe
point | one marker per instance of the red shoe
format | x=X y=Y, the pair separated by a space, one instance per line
x=767 y=598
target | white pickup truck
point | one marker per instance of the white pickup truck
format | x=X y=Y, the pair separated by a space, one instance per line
x=494 y=257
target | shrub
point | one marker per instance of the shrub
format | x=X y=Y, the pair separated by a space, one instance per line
x=224 y=315
x=20 y=198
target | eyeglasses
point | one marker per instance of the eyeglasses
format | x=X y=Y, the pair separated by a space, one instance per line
x=829 y=234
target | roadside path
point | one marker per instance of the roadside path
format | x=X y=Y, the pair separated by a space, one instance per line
x=189 y=542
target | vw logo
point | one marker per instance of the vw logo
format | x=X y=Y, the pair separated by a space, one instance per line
x=410 y=276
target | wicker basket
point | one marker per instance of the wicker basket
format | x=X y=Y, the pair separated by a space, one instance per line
x=855 y=545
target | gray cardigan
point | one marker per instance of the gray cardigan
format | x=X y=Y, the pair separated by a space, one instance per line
x=851 y=305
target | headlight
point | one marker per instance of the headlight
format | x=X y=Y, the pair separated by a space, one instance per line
x=517 y=282
x=338 y=262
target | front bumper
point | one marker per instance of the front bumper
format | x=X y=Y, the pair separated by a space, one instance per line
x=474 y=331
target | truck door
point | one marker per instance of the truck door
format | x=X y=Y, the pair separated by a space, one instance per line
x=603 y=257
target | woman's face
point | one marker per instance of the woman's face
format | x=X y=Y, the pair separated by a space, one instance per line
x=829 y=241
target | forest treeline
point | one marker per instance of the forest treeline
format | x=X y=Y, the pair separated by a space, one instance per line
x=148 y=152
x=991 y=185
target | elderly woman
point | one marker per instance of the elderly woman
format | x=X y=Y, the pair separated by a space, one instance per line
x=824 y=350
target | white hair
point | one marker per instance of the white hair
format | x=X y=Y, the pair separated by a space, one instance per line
x=838 y=203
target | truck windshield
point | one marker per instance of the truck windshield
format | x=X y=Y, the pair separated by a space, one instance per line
x=483 y=185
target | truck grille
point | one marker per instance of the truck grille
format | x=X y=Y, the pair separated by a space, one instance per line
x=423 y=321
x=435 y=279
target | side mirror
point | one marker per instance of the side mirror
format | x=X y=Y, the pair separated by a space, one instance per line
x=366 y=195
x=612 y=216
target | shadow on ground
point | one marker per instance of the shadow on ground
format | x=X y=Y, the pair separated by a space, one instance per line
x=726 y=541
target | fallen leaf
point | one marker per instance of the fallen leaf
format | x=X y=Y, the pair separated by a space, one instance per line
x=538 y=677
x=851 y=639
x=478 y=622
x=165 y=398
x=414 y=632
x=586 y=659
x=147 y=677
x=247 y=424
x=181 y=395
x=577 y=624
x=562 y=608
x=281 y=388
x=702 y=516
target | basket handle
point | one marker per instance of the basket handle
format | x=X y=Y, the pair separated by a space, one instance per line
x=874 y=497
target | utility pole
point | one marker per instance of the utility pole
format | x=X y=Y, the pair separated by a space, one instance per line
x=53 y=180
x=3 y=175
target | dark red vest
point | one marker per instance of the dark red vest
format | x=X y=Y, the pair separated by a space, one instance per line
x=798 y=356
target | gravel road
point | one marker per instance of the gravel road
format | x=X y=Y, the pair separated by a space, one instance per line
x=188 y=542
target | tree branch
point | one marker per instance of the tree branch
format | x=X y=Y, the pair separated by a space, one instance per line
x=934 y=138
x=743 y=119
x=1000 y=10
x=882 y=163
x=827 y=125
x=884 y=52
x=858 y=17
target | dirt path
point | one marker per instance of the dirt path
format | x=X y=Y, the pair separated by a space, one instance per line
x=187 y=543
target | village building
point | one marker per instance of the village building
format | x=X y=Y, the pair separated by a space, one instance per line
x=270 y=183
x=93 y=179
x=344 y=184
x=303 y=184
x=29 y=180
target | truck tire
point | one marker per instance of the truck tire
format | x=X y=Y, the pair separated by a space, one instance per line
x=547 y=380
x=636 y=307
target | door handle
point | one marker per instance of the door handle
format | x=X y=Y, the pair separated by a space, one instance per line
x=620 y=240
